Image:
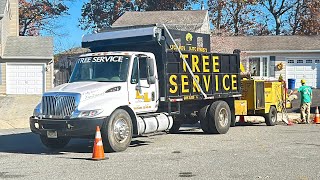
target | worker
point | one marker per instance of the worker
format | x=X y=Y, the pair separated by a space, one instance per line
x=306 y=97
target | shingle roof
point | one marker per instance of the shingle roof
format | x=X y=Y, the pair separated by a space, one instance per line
x=264 y=43
x=2 y=6
x=26 y=46
x=175 y=19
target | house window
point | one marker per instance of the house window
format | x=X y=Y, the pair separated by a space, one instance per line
x=265 y=66
x=290 y=61
x=309 y=61
x=259 y=66
x=317 y=61
x=300 y=61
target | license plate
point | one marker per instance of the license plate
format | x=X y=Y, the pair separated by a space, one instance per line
x=52 y=134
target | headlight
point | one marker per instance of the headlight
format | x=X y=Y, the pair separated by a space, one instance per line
x=114 y=89
x=37 y=111
x=87 y=114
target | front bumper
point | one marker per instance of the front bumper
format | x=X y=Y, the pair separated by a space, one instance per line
x=67 y=128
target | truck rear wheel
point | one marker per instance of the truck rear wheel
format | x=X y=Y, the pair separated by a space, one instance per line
x=271 y=117
x=54 y=143
x=220 y=117
x=117 y=131
x=177 y=121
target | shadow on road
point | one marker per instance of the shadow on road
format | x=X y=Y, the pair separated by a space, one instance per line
x=29 y=143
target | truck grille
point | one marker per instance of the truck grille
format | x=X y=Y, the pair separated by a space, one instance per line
x=58 y=105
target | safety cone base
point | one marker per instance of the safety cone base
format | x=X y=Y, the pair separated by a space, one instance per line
x=98 y=151
x=98 y=159
x=316 y=119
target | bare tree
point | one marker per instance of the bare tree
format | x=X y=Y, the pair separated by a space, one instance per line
x=236 y=17
x=38 y=15
x=278 y=8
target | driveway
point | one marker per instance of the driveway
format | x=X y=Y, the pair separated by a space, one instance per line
x=15 y=110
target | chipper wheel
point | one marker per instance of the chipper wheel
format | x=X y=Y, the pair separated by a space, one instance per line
x=271 y=117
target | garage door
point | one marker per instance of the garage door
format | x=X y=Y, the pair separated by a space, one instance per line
x=25 y=78
x=308 y=69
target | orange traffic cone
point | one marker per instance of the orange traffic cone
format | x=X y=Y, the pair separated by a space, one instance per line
x=316 y=117
x=98 y=151
x=290 y=123
x=241 y=119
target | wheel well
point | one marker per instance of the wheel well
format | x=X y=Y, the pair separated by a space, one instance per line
x=230 y=102
x=274 y=107
x=133 y=118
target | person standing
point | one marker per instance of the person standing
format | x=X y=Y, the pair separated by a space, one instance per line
x=306 y=98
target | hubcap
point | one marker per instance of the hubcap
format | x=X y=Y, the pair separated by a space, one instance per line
x=121 y=130
x=223 y=117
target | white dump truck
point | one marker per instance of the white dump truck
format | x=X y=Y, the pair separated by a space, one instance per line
x=140 y=80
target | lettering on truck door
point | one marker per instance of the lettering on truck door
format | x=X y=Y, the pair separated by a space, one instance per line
x=143 y=97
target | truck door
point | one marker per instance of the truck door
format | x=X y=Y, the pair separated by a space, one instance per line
x=143 y=85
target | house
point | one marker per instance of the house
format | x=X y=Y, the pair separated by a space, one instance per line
x=64 y=64
x=292 y=57
x=26 y=63
x=194 y=21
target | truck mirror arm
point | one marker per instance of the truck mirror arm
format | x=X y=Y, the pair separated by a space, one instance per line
x=138 y=87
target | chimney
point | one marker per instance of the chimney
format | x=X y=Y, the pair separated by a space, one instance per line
x=202 y=5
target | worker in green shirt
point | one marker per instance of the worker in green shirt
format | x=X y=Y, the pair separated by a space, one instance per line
x=306 y=97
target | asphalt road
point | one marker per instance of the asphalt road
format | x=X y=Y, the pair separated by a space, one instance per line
x=245 y=152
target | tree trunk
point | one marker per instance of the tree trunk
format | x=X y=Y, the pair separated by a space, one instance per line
x=278 y=23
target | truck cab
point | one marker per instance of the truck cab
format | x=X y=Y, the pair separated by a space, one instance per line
x=113 y=86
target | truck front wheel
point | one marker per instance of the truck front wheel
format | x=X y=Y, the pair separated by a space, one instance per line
x=54 y=143
x=271 y=117
x=117 y=131
x=220 y=117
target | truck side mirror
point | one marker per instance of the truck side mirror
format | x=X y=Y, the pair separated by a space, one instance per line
x=151 y=80
x=150 y=70
x=150 y=65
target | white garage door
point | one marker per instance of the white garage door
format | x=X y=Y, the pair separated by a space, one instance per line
x=308 y=69
x=25 y=78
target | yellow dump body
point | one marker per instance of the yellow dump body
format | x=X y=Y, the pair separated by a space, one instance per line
x=260 y=95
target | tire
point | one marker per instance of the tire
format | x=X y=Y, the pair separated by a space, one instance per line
x=204 y=120
x=271 y=117
x=117 y=131
x=233 y=112
x=54 y=143
x=219 y=117
x=233 y=120
x=177 y=121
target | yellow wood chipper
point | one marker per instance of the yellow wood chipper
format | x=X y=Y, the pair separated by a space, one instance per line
x=262 y=98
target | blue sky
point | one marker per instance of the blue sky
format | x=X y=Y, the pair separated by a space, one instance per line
x=70 y=26
x=71 y=29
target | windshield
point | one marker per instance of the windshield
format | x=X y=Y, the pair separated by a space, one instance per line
x=112 y=68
